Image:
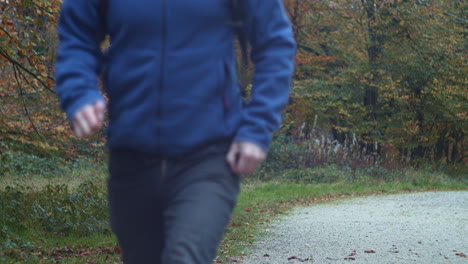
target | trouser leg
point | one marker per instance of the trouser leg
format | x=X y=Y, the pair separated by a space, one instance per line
x=135 y=206
x=173 y=215
x=199 y=207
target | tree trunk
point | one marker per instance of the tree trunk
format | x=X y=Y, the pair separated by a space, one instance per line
x=374 y=52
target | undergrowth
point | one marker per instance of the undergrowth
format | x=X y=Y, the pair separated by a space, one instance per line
x=56 y=209
x=44 y=197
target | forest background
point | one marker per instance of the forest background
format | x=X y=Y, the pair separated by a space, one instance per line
x=392 y=74
x=380 y=88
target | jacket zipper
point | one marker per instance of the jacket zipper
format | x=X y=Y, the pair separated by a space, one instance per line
x=163 y=169
x=161 y=69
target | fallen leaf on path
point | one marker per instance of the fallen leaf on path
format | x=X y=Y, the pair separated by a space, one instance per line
x=232 y=260
x=300 y=260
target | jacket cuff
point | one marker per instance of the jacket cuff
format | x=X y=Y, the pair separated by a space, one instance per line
x=90 y=98
x=262 y=139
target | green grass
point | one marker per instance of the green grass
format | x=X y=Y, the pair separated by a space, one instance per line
x=258 y=204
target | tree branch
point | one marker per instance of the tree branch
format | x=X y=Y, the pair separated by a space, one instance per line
x=308 y=49
x=17 y=64
x=44 y=9
x=15 y=70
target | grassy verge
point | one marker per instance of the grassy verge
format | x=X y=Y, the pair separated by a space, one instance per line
x=97 y=248
x=63 y=219
x=72 y=174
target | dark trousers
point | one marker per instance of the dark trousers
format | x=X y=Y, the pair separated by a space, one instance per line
x=171 y=211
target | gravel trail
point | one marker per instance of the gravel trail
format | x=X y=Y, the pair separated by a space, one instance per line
x=422 y=228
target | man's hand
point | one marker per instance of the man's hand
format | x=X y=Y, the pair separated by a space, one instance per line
x=244 y=157
x=89 y=119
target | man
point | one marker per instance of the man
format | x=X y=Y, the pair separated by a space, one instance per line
x=179 y=135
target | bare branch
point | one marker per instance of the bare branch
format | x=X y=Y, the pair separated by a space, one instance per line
x=20 y=66
x=16 y=70
x=44 y=9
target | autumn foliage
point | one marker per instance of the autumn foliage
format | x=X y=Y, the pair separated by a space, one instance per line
x=30 y=118
x=390 y=73
x=393 y=73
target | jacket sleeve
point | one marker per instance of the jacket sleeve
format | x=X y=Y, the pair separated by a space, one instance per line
x=78 y=56
x=273 y=49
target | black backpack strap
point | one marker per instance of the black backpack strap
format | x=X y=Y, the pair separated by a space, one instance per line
x=103 y=13
x=238 y=20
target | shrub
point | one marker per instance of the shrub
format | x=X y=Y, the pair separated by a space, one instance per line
x=328 y=174
x=55 y=209
x=321 y=159
x=26 y=164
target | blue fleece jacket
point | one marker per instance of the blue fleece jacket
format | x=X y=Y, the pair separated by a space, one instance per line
x=170 y=70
